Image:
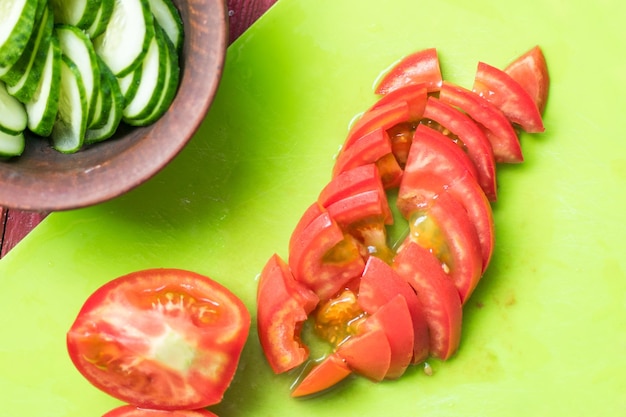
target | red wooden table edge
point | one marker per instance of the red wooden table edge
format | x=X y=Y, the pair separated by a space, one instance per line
x=16 y=224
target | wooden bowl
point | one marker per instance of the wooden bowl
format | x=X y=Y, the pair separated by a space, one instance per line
x=43 y=179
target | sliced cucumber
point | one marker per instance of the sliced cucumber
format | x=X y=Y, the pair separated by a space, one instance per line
x=11 y=145
x=104 y=100
x=79 y=13
x=151 y=83
x=17 y=18
x=42 y=109
x=170 y=87
x=127 y=37
x=68 y=132
x=102 y=18
x=168 y=17
x=115 y=113
x=129 y=84
x=76 y=45
x=13 y=117
x=25 y=87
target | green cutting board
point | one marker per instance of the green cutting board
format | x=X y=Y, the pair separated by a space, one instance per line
x=544 y=334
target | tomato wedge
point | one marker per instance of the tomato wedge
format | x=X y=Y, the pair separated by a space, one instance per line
x=160 y=339
x=132 y=411
x=421 y=67
x=368 y=149
x=531 y=72
x=498 y=129
x=325 y=374
x=499 y=88
x=414 y=95
x=385 y=117
x=442 y=306
x=283 y=304
x=369 y=353
x=476 y=143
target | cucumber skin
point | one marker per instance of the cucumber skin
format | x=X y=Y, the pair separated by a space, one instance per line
x=13 y=48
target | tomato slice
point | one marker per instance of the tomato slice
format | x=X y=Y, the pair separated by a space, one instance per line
x=499 y=88
x=531 y=72
x=327 y=373
x=421 y=67
x=378 y=286
x=385 y=117
x=442 y=306
x=322 y=257
x=366 y=150
x=283 y=304
x=476 y=143
x=414 y=95
x=160 y=339
x=368 y=354
x=498 y=129
x=132 y=411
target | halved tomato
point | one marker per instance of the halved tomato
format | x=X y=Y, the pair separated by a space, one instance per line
x=531 y=72
x=283 y=304
x=509 y=96
x=442 y=306
x=421 y=67
x=378 y=286
x=327 y=373
x=477 y=145
x=160 y=339
x=132 y=411
x=322 y=257
x=498 y=129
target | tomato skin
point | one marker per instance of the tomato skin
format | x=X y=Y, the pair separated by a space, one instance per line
x=282 y=305
x=384 y=117
x=132 y=411
x=379 y=285
x=498 y=129
x=442 y=305
x=478 y=146
x=531 y=72
x=327 y=373
x=160 y=339
x=421 y=67
x=497 y=87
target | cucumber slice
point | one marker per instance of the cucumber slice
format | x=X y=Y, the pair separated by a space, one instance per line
x=129 y=84
x=151 y=83
x=168 y=17
x=76 y=45
x=104 y=100
x=127 y=37
x=170 y=87
x=42 y=109
x=102 y=18
x=25 y=87
x=114 y=116
x=11 y=145
x=13 y=117
x=79 y=13
x=68 y=132
x=17 y=18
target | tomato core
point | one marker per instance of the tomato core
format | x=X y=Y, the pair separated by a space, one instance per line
x=337 y=319
x=425 y=231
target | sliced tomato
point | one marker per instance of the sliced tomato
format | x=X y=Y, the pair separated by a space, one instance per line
x=509 y=96
x=283 y=304
x=324 y=375
x=499 y=131
x=414 y=95
x=473 y=138
x=160 y=339
x=442 y=306
x=444 y=228
x=385 y=117
x=378 y=286
x=132 y=411
x=322 y=257
x=421 y=67
x=367 y=354
x=355 y=181
x=531 y=72
x=366 y=150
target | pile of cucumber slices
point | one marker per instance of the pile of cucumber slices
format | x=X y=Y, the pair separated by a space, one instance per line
x=73 y=70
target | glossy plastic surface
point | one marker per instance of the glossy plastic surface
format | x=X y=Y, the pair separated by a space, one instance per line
x=545 y=332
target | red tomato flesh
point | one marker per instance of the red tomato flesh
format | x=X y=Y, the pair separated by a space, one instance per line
x=421 y=67
x=283 y=304
x=384 y=117
x=367 y=354
x=413 y=94
x=132 y=411
x=327 y=373
x=160 y=339
x=531 y=72
x=368 y=149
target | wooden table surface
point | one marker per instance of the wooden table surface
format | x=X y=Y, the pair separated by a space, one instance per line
x=16 y=224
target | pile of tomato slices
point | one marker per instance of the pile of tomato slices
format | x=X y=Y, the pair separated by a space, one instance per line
x=381 y=307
